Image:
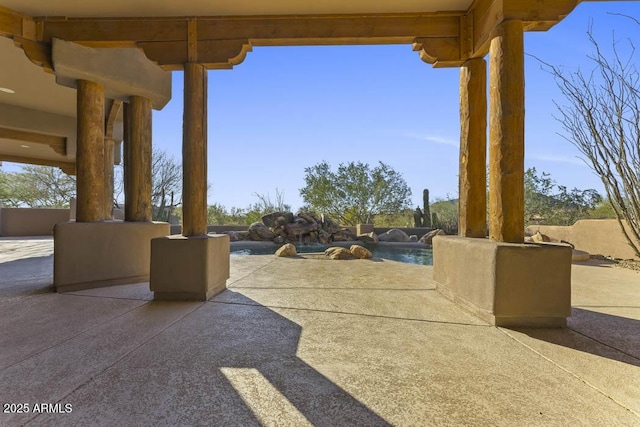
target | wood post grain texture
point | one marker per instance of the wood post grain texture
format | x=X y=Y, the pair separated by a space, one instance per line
x=137 y=177
x=108 y=177
x=194 y=151
x=472 y=220
x=90 y=152
x=506 y=150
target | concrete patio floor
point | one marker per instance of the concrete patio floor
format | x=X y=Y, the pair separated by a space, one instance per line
x=297 y=342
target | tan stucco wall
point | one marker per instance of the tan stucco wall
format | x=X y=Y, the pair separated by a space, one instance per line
x=596 y=236
x=30 y=222
x=189 y=268
x=505 y=284
x=88 y=255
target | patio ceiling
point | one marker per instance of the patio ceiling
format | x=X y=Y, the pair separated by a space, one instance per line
x=218 y=34
x=154 y=8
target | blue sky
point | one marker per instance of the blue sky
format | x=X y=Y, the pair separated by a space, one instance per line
x=287 y=108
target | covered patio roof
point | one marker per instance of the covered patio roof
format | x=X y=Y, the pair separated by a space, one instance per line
x=36 y=120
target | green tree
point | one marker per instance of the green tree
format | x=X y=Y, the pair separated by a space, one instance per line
x=404 y=218
x=444 y=214
x=603 y=210
x=4 y=186
x=355 y=193
x=549 y=203
x=37 y=187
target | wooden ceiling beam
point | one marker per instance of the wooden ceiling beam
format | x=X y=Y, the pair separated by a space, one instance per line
x=67 y=167
x=10 y=22
x=261 y=30
x=222 y=42
x=443 y=39
x=536 y=15
x=57 y=143
x=111 y=113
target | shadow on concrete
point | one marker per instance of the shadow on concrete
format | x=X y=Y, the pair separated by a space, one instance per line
x=596 y=262
x=221 y=364
x=268 y=343
x=605 y=335
x=26 y=276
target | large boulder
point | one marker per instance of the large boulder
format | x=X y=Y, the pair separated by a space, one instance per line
x=344 y=235
x=277 y=219
x=360 y=252
x=337 y=252
x=299 y=228
x=329 y=225
x=323 y=237
x=428 y=238
x=540 y=238
x=259 y=231
x=309 y=217
x=394 y=235
x=237 y=236
x=287 y=250
x=368 y=238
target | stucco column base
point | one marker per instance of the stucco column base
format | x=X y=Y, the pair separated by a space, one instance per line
x=505 y=284
x=96 y=254
x=189 y=268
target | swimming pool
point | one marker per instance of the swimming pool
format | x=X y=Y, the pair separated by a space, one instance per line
x=409 y=253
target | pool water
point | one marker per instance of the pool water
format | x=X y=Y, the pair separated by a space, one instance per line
x=410 y=255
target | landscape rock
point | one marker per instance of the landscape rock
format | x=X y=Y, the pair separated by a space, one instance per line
x=343 y=235
x=309 y=217
x=427 y=238
x=577 y=255
x=323 y=237
x=540 y=238
x=329 y=225
x=394 y=235
x=336 y=252
x=277 y=219
x=299 y=228
x=368 y=238
x=413 y=238
x=237 y=236
x=360 y=252
x=259 y=231
x=287 y=250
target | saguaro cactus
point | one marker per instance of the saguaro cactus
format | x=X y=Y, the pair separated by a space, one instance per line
x=426 y=212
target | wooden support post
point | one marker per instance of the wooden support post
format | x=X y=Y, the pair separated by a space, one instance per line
x=137 y=177
x=194 y=151
x=90 y=152
x=472 y=218
x=506 y=151
x=108 y=178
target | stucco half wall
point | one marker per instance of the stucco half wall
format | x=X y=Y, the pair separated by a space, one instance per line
x=90 y=255
x=596 y=236
x=30 y=222
x=505 y=284
x=189 y=268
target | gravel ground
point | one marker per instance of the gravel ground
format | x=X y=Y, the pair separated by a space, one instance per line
x=628 y=263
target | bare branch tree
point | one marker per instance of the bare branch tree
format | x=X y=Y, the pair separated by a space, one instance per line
x=166 y=184
x=601 y=117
